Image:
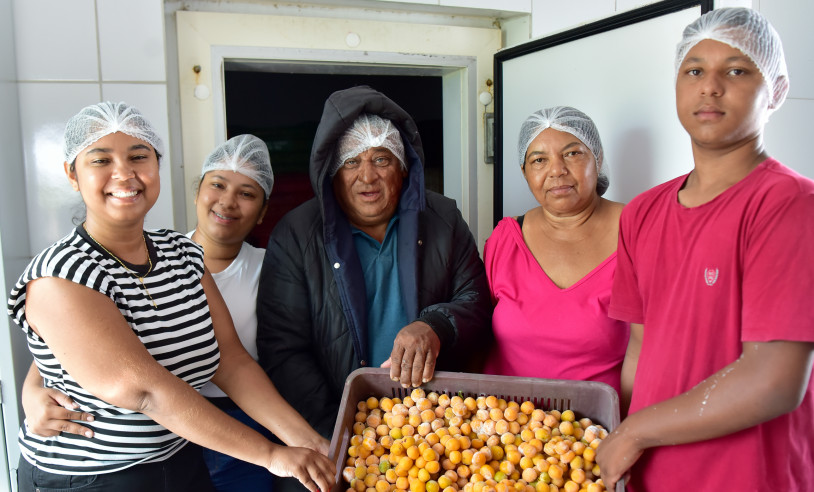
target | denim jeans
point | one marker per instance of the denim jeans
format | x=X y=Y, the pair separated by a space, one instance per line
x=233 y=475
x=182 y=472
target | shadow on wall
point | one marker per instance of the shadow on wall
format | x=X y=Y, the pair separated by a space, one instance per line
x=629 y=177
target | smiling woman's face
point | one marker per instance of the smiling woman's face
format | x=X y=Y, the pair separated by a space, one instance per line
x=228 y=206
x=561 y=172
x=118 y=178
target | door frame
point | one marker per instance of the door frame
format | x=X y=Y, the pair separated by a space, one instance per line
x=462 y=56
x=457 y=80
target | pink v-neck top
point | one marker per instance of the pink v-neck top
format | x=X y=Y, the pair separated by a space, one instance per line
x=542 y=330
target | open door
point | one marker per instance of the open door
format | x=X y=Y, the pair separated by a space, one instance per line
x=619 y=71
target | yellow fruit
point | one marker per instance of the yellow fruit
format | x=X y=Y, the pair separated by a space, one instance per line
x=390 y=475
x=530 y=475
x=417 y=486
x=437 y=443
x=571 y=486
x=566 y=427
x=578 y=475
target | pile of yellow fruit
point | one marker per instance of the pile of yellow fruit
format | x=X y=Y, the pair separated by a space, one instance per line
x=437 y=443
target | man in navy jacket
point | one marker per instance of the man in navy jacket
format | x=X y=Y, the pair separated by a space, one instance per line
x=374 y=269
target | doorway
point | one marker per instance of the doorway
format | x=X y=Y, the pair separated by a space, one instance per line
x=460 y=56
x=283 y=105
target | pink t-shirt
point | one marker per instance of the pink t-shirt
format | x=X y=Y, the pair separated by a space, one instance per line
x=702 y=280
x=542 y=330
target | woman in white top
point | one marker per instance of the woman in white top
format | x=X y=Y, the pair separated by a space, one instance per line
x=230 y=200
x=109 y=225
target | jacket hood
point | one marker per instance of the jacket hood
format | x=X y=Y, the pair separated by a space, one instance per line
x=340 y=111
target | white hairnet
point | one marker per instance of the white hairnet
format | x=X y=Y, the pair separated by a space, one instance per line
x=99 y=120
x=569 y=120
x=244 y=154
x=747 y=30
x=368 y=131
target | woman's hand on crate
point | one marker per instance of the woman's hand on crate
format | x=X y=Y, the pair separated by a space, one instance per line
x=415 y=350
x=314 y=470
x=318 y=444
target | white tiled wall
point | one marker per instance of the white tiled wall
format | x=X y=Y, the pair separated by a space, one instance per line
x=55 y=40
x=131 y=40
x=44 y=109
x=82 y=52
x=14 y=358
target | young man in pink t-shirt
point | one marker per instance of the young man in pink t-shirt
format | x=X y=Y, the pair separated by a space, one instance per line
x=715 y=271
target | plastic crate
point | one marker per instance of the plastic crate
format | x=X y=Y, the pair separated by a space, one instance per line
x=595 y=400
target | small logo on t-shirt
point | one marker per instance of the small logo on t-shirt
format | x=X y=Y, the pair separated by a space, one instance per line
x=710 y=276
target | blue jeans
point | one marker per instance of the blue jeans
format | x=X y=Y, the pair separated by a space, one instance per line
x=233 y=475
x=182 y=472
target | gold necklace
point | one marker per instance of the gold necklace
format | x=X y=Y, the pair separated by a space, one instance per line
x=131 y=272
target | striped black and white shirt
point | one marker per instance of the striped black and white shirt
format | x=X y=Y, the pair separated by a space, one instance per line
x=178 y=334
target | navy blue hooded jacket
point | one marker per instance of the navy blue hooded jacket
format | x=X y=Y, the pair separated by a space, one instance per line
x=311 y=302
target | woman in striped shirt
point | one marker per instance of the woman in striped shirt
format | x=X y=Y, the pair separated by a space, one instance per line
x=129 y=324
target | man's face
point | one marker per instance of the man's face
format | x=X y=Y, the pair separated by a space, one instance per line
x=721 y=97
x=368 y=188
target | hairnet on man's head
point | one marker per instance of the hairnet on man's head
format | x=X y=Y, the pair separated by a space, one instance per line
x=243 y=154
x=748 y=31
x=368 y=131
x=569 y=120
x=99 y=120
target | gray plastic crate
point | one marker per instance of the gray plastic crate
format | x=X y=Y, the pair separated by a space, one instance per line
x=595 y=400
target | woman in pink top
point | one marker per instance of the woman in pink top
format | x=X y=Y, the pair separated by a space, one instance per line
x=551 y=270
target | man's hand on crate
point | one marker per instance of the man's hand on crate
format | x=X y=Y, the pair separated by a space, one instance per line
x=415 y=350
